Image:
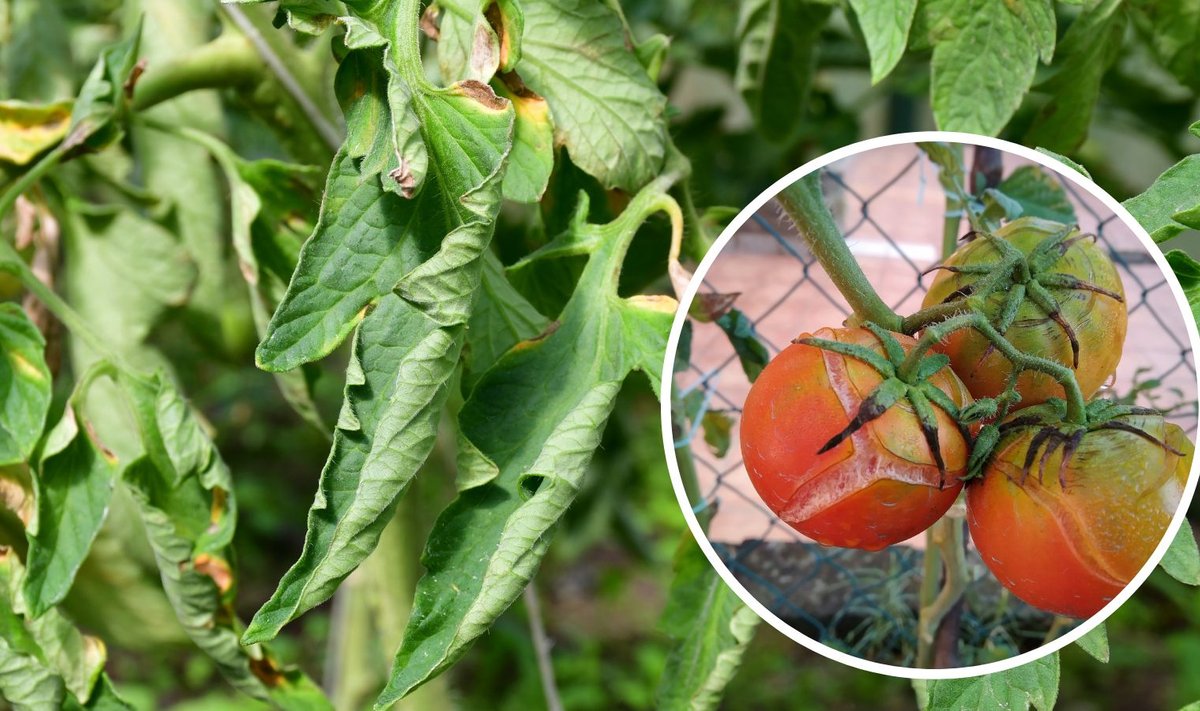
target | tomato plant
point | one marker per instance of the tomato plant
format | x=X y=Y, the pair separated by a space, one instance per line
x=1066 y=517
x=380 y=204
x=841 y=459
x=1052 y=292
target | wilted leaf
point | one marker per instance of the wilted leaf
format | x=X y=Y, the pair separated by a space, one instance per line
x=28 y=129
x=532 y=157
x=396 y=383
x=607 y=112
x=72 y=486
x=712 y=628
x=528 y=431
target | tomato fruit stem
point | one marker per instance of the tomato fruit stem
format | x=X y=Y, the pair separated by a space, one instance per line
x=804 y=203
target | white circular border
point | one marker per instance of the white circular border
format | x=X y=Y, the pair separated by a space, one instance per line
x=668 y=375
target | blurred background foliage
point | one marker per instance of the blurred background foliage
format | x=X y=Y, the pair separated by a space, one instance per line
x=605 y=581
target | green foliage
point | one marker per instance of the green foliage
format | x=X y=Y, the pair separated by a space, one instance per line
x=712 y=628
x=1034 y=684
x=1095 y=643
x=466 y=148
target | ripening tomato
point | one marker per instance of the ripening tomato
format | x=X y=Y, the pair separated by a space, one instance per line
x=879 y=486
x=1086 y=333
x=1067 y=536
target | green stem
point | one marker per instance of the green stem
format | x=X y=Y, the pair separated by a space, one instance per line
x=31 y=176
x=228 y=61
x=803 y=202
x=11 y=261
x=1076 y=405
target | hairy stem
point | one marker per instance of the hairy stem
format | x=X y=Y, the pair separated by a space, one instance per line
x=804 y=203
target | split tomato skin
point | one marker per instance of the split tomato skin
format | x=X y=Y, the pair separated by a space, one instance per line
x=1070 y=550
x=878 y=487
x=1099 y=321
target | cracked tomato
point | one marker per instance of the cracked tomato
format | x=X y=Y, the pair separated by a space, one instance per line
x=878 y=486
x=1065 y=519
x=1064 y=301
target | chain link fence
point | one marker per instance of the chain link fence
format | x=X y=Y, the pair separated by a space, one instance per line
x=891 y=208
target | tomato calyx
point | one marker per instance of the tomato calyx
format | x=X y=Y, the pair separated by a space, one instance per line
x=897 y=384
x=1053 y=433
x=1022 y=277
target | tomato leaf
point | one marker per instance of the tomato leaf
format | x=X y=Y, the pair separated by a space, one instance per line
x=1187 y=270
x=500 y=318
x=1039 y=193
x=1035 y=683
x=711 y=627
x=28 y=129
x=984 y=59
x=1095 y=643
x=532 y=158
x=1066 y=161
x=1088 y=49
x=1171 y=29
x=36 y=55
x=885 y=25
x=751 y=352
x=396 y=384
x=96 y=119
x=309 y=16
x=185 y=496
x=471 y=46
x=72 y=486
x=1171 y=204
x=1182 y=560
x=777 y=41
x=24 y=385
x=45 y=662
x=368 y=239
x=527 y=433
x=123 y=271
x=272 y=206
x=607 y=112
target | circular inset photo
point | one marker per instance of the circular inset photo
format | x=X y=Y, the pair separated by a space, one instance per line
x=934 y=405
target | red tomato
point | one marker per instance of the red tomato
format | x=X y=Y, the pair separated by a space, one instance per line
x=1066 y=537
x=878 y=487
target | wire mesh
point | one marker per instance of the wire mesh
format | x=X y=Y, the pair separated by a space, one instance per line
x=891 y=208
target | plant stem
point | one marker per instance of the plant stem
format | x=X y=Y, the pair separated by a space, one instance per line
x=804 y=203
x=541 y=648
x=26 y=181
x=1076 y=405
x=947 y=535
x=11 y=261
x=228 y=61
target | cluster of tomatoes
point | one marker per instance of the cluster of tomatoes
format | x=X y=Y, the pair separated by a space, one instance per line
x=852 y=450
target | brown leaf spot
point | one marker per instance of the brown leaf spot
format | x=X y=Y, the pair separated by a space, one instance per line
x=517 y=86
x=482 y=93
x=710 y=307
x=219 y=505
x=264 y=668
x=429 y=24
x=215 y=568
x=138 y=70
x=404 y=178
x=546 y=333
x=105 y=452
